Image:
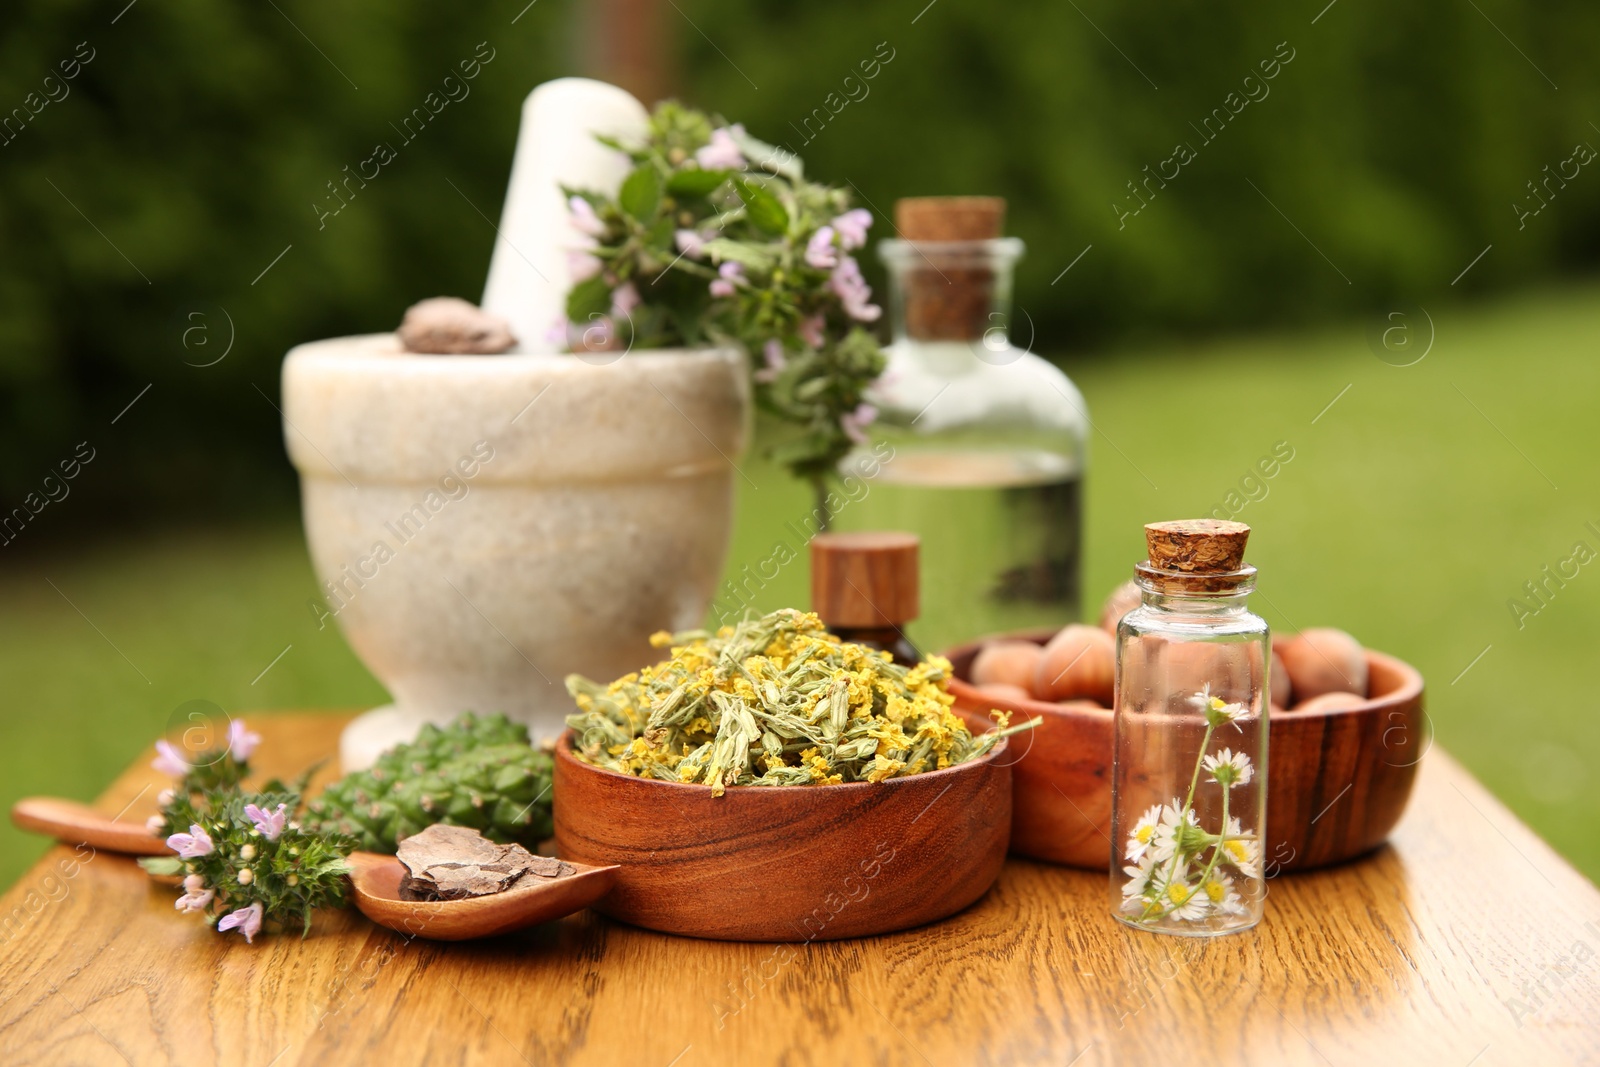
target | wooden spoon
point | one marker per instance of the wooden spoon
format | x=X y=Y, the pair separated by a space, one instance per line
x=78 y=824
x=530 y=900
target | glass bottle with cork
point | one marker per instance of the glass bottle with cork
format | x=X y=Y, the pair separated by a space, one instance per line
x=864 y=588
x=1189 y=759
x=986 y=441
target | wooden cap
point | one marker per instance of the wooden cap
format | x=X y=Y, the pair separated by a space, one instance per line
x=950 y=218
x=865 y=579
x=1197 y=546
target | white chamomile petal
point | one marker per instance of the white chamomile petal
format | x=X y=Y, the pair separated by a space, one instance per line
x=1143 y=835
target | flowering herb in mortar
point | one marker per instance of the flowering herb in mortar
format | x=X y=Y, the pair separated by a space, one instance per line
x=717 y=236
x=775 y=701
x=244 y=859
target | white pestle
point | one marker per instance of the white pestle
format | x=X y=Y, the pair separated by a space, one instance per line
x=528 y=274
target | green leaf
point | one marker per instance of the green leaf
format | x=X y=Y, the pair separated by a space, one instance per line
x=588 y=298
x=696 y=182
x=764 y=209
x=769 y=157
x=162 y=865
x=754 y=256
x=641 y=192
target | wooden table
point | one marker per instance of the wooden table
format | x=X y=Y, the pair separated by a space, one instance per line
x=1465 y=942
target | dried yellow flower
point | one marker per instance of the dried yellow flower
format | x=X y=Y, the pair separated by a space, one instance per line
x=774 y=701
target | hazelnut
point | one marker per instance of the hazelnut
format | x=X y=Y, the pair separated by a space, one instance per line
x=1323 y=660
x=1327 y=702
x=1080 y=661
x=1280 y=682
x=1123 y=599
x=1006 y=662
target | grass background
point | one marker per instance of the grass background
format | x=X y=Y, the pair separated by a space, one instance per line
x=1415 y=508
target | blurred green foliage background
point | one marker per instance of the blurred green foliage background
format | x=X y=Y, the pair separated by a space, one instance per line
x=198 y=143
x=166 y=205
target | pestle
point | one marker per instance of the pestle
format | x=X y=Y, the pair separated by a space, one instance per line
x=556 y=146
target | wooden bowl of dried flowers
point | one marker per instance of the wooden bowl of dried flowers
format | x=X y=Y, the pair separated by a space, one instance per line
x=1340 y=767
x=729 y=819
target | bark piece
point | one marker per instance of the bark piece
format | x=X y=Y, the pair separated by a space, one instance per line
x=456 y=862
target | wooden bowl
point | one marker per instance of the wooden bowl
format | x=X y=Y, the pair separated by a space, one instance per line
x=797 y=863
x=1337 y=781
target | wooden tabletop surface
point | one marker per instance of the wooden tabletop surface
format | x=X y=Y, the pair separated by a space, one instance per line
x=1467 y=941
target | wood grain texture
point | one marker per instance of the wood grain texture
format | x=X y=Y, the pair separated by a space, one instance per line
x=1464 y=941
x=787 y=864
x=1338 y=780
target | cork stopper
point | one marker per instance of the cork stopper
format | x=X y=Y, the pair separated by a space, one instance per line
x=948 y=292
x=950 y=218
x=866 y=580
x=1197 y=546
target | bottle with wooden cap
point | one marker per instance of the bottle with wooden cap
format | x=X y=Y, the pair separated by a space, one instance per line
x=978 y=446
x=1189 y=762
x=864 y=588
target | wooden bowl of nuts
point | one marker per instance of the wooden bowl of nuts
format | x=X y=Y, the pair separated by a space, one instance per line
x=1343 y=751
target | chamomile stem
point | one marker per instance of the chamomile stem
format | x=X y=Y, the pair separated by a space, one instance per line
x=1194 y=780
x=1188 y=803
x=1216 y=849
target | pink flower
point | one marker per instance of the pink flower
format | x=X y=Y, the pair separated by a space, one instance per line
x=853 y=291
x=246 y=920
x=855 y=423
x=581 y=265
x=623 y=300
x=192 y=845
x=723 y=151
x=819 y=250
x=168 y=761
x=154 y=823
x=732 y=274
x=772 y=354
x=196 y=897
x=269 y=823
x=852 y=228
x=165 y=797
x=241 y=742
x=810 y=330
x=689 y=243
x=584 y=220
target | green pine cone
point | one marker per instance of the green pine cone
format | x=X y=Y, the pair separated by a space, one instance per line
x=476 y=772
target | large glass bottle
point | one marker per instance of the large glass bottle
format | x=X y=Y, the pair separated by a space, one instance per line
x=979 y=445
x=1189 y=773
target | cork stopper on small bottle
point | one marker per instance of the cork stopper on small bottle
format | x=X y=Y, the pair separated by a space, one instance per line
x=1197 y=546
x=950 y=218
x=949 y=290
x=865 y=580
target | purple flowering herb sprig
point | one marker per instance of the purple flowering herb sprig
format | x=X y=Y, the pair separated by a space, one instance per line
x=715 y=236
x=218 y=769
x=246 y=861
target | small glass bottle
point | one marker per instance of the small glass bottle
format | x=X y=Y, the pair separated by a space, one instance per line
x=979 y=445
x=1189 y=772
x=864 y=587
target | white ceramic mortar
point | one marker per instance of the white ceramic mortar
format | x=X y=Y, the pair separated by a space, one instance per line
x=602 y=515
